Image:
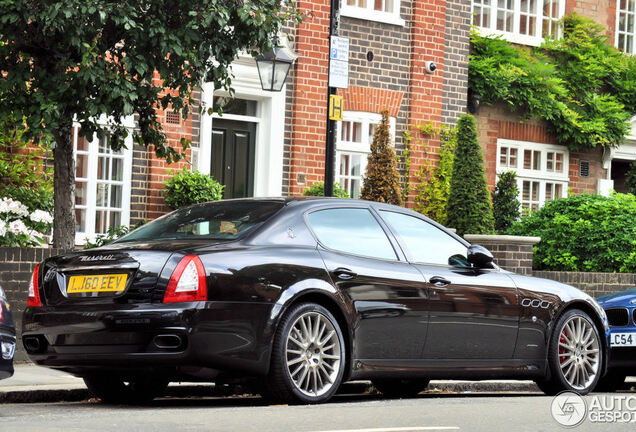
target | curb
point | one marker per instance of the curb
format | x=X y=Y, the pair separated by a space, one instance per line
x=183 y=391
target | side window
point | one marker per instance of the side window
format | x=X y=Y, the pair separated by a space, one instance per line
x=353 y=231
x=425 y=242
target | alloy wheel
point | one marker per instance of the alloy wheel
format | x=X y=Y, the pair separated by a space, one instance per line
x=312 y=352
x=579 y=352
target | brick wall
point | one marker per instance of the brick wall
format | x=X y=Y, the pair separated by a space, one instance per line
x=601 y=11
x=16 y=268
x=457 y=46
x=511 y=253
x=595 y=284
x=496 y=122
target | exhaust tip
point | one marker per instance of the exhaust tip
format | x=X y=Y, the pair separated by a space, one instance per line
x=168 y=341
x=32 y=344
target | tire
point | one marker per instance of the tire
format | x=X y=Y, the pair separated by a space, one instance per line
x=575 y=355
x=400 y=388
x=306 y=367
x=611 y=382
x=113 y=390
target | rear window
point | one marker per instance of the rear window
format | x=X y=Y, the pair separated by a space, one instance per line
x=223 y=220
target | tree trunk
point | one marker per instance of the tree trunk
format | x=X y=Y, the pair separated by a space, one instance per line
x=64 y=188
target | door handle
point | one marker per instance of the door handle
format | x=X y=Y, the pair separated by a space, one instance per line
x=344 y=273
x=439 y=281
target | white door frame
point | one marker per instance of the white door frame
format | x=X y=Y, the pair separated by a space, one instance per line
x=270 y=130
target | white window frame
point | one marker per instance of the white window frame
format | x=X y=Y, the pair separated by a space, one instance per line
x=542 y=175
x=91 y=193
x=362 y=148
x=515 y=36
x=370 y=14
x=619 y=31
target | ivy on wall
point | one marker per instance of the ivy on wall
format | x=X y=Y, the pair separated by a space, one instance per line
x=582 y=86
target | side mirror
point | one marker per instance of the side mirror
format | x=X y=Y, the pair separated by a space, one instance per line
x=479 y=256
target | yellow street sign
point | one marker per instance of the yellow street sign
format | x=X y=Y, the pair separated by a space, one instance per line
x=335 y=107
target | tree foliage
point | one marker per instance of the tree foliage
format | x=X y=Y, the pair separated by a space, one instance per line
x=191 y=187
x=24 y=175
x=583 y=233
x=433 y=181
x=582 y=86
x=505 y=202
x=77 y=59
x=469 y=208
x=382 y=180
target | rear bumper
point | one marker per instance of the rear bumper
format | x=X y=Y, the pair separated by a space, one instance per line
x=225 y=336
x=7 y=339
x=623 y=358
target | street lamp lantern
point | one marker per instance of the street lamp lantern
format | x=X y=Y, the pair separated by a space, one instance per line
x=273 y=67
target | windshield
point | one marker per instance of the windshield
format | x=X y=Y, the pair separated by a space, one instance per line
x=222 y=220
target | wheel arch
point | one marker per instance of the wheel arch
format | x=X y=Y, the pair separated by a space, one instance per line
x=327 y=299
x=598 y=323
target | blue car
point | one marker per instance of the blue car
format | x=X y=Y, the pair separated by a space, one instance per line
x=7 y=338
x=621 y=314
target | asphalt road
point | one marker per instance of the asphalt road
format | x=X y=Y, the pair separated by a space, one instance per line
x=369 y=413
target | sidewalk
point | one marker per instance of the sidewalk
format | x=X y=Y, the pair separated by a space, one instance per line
x=32 y=383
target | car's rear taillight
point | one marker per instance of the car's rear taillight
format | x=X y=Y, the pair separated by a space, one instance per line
x=187 y=282
x=34 y=289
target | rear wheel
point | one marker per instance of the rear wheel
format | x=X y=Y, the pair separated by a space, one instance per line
x=575 y=355
x=308 y=357
x=113 y=390
x=610 y=382
x=400 y=388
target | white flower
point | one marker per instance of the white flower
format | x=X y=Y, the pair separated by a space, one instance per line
x=36 y=237
x=7 y=205
x=3 y=229
x=41 y=216
x=18 y=227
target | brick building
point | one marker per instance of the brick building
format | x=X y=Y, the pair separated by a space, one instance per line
x=270 y=144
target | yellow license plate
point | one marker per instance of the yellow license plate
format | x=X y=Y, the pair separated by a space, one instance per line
x=97 y=283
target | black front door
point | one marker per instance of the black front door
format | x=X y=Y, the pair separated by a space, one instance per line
x=233 y=149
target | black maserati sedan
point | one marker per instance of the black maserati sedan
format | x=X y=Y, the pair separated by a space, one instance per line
x=7 y=337
x=301 y=295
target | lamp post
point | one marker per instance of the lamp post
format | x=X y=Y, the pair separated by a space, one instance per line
x=273 y=67
x=330 y=144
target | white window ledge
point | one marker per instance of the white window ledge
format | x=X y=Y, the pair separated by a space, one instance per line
x=515 y=38
x=372 y=15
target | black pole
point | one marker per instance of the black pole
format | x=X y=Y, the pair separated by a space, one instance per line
x=330 y=147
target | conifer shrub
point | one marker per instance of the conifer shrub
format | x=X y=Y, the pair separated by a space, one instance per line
x=469 y=207
x=382 y=180
x=505 y=202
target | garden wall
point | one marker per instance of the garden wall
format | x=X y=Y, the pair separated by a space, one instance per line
x=16 y=268
x=595 y=284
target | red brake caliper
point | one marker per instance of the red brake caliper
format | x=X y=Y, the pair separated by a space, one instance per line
x=562 y=339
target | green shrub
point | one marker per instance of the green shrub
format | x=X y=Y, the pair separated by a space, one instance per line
x=191 y=187
x=630 y=178
x=433 y=181
x=469 y=208
x=382 y=179
x=584 y=233
x=505 y=205
x=318 y=189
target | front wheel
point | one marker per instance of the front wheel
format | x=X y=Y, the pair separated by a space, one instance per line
x=308 y=357
x=113 y=390
x=575 y=355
